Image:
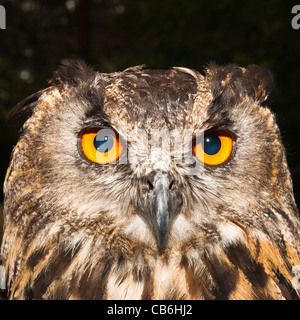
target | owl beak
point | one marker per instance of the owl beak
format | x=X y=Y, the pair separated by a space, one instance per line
x=162 y=205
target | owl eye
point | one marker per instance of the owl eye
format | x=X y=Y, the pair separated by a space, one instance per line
x=215 y=149
x=101 y=145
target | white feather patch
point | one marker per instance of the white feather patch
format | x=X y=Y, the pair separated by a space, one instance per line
x=230 y=233
x=128 y=289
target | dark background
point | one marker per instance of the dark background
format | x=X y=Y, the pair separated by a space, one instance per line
x=115 y=34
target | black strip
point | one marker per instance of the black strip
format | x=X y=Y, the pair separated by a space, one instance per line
x=241 y=257
x=52 y=271
x=224 y=276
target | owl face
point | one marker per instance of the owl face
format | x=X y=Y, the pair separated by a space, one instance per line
x=157 y=179
x=144 y=163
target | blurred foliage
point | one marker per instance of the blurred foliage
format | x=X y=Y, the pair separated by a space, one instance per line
x=115 y=34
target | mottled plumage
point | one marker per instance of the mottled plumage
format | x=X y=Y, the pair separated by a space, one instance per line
x=75 y=229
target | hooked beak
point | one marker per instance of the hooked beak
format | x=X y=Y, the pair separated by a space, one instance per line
x=161 y=204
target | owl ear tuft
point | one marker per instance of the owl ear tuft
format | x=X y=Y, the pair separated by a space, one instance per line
x=72 y=72
x=258 y=82
x=231 y=83
x=24 y=108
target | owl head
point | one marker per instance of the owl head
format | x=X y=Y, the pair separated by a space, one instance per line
x=146 y=161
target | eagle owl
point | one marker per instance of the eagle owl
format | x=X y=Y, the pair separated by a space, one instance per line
x=150 y=184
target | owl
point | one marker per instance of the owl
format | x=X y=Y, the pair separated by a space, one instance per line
x=150 y=184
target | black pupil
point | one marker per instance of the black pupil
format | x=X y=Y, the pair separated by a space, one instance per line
x=212 y=144
x=103 y=141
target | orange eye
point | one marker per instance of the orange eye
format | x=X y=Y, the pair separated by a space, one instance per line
x=101 y=145
x=215 y=149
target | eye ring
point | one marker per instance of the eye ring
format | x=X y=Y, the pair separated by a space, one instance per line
x=101 y=145
x=215 y=148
